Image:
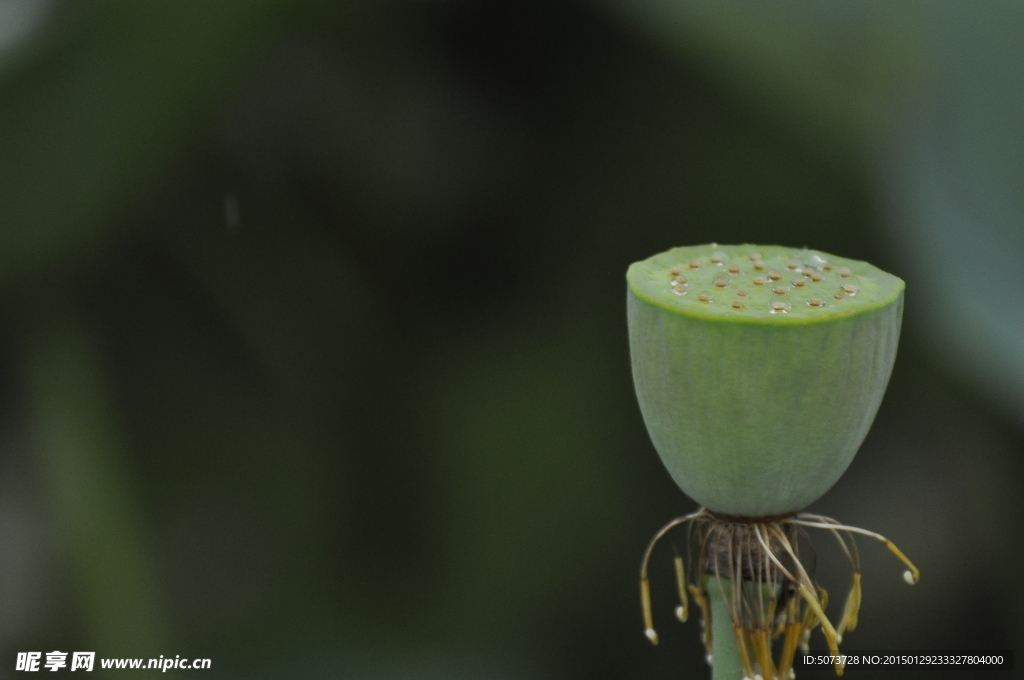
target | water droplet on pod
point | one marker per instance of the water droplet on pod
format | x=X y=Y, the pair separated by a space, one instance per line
x=850 y=289
x=721 y=280
x=717 y=258
x=679 y=279
x=675 y=271
x=755 y=256
x=815 y=260
x=679 y=289
x=816 y=302
x=844 y=272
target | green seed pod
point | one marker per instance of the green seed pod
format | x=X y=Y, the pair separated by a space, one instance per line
x=759 y=369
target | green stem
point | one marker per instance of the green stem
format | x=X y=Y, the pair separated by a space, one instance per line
x=724 y=655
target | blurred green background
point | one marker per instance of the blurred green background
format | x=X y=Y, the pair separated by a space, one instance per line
x=313 y=355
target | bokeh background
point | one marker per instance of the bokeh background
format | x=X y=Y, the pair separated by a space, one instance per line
x=313 y=356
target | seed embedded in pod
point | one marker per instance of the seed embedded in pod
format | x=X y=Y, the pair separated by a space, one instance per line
x=675 y=271
x=755 y=256
x=780 y=290
x=774 y=274
x=679 y=279
x=679 y=289
x=717 y=258
x=734 y=269
x=736 y=304
x=850 y=289
x=799 y=283
x=759 y=280
x=704 y=297
x=694 y=264
x=816 y=277
x=742 y=293
x=793 y=264
x=759 y=265
x=721 y=280
x=839 y=296
x=779 y=307
x=816 y=302
x=808 y=271
x=845 y=272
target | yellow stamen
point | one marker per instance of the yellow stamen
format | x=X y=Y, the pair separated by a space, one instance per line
x=826 y=625
x=740 y=633
x=763 y=651
x=683 y=612
x=645 y=586
x=911 y=576
x=770 y=616
x=757 y=622
x=852 y=607
x=645 y=603
x=789 y=642
x=705 y=614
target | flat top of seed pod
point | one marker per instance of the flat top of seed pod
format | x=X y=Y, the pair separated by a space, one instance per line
x=761 y=284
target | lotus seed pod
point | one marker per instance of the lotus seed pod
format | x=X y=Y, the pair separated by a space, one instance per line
x=758 y=408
